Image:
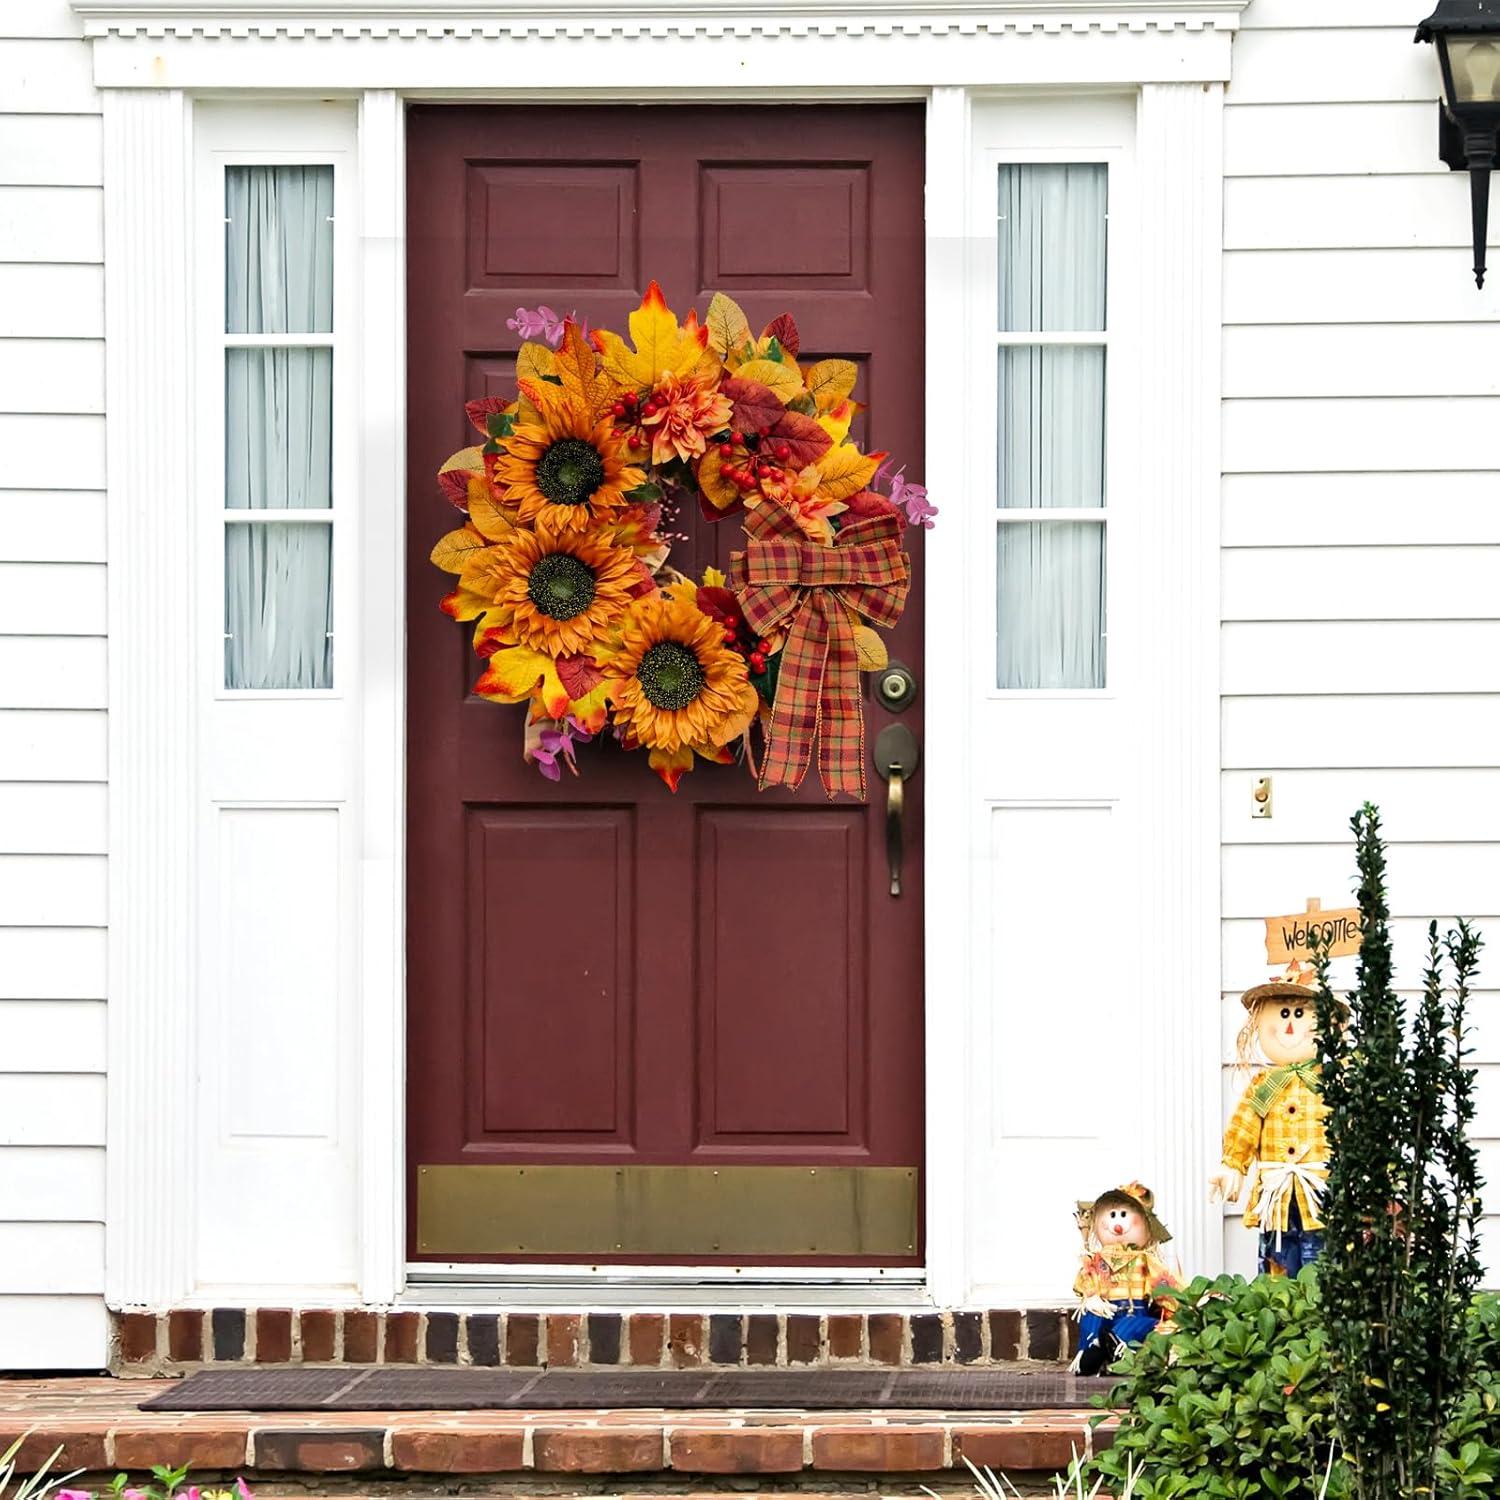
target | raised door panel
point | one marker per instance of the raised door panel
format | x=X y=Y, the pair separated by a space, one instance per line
x=781 y=977
x=550 y=980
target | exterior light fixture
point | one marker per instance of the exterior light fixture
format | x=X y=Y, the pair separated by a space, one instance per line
x=1467 y=36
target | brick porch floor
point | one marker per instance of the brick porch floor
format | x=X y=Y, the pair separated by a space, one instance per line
x=101 y=1430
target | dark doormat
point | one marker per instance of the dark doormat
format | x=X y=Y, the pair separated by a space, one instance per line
x=425 y=1388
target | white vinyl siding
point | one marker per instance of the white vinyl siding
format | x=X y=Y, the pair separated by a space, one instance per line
x=52 y=695
x=1361 y=617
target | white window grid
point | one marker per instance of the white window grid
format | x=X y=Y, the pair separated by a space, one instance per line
x=988 y=391
x=329 y=515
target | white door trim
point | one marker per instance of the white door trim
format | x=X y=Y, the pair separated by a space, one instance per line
x=151 y=58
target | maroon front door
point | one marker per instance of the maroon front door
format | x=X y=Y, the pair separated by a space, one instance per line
x=600 y=974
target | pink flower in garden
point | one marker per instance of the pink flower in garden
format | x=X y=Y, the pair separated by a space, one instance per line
x=72 y=1495
x=243 y=1489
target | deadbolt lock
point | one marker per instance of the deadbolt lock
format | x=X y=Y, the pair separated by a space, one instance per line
x=895 y=687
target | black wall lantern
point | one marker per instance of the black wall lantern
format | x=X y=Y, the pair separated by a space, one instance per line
x=1467 y=34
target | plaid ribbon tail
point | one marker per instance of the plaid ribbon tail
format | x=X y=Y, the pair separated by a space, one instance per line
x=841 y=715
x=796 y=713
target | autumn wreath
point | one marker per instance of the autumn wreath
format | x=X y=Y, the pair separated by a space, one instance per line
x=563 y=560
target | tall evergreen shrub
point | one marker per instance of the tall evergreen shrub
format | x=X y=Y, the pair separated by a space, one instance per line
x=1400 y=1261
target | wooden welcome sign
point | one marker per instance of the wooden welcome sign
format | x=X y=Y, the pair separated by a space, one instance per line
x=1293 y=937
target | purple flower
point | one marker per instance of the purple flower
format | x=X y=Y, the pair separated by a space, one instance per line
x=544 y=323
x=555 y=745
x=912 y=498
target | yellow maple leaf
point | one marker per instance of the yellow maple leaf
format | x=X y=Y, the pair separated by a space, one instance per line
x=721 y=494
x=471 y=459
x=837 y=419
x=517 y=672
x=831 y=380
x=870 y=649
x=670 y=764
x=491 y=521
x=781 y=378
x=661 y=346
x=844 y=471
x=452 y=551
x=534 y=360
x=728 y=327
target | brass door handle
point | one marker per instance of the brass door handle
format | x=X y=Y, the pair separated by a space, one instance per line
x=897 y=756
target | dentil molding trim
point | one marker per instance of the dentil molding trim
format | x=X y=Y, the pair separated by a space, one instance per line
x=442 y=19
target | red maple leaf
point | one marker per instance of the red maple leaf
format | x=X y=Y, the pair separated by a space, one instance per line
x=486 y=406
x=784 y=331
x=578 y=675
x=756 y=407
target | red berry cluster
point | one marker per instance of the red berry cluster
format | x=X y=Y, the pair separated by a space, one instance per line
x=629 y=410
x=752 y=459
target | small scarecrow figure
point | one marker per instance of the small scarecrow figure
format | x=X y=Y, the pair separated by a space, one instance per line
x=1121 y=1275
x=1278 y=1124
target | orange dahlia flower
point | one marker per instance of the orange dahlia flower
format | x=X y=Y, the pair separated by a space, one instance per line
x=680 y=414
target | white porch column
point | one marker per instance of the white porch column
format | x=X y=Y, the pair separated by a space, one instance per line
x=1179 y=155
x=150 y=1218
x=382 y=489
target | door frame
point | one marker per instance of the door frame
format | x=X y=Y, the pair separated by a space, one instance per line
x=153 y=59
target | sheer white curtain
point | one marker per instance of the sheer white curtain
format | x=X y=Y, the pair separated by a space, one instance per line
x=1050 y=575
x=1051 y=605
x=278 y=428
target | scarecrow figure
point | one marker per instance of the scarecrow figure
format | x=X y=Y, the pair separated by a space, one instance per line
x=1278 y=1125
x=1121 y=1275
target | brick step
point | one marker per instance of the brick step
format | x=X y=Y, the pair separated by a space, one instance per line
x=99 y=1425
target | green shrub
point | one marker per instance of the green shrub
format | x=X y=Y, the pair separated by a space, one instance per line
x=1400 y=1263
x=1237 y=1403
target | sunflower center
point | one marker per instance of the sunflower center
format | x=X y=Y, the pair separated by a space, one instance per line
x=670 y=676
x=569 y=472
x=561 y=586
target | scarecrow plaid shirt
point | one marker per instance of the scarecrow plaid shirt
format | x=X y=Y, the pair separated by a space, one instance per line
x=1279 y=1119
x=1119 y=1273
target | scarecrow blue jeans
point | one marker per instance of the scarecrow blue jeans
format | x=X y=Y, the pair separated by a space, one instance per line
x=1131 y=1322
x=1299 y=1247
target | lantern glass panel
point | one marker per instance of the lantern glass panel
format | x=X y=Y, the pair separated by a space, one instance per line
x=1474 y=67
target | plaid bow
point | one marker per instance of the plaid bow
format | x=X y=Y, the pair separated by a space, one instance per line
x=784 y=578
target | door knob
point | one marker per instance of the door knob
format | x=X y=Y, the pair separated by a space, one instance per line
x=897 y=756
x=895 y=687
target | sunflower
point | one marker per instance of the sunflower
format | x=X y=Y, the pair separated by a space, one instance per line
x=567 y=469
x=557 y=590
x=677 y=685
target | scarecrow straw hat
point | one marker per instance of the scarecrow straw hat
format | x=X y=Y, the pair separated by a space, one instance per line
x=1134 y=1195
x=1299 y=982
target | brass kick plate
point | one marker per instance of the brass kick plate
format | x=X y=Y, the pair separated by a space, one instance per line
x=679 y=1211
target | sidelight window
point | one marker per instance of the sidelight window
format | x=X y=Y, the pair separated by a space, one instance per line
x=1051 y=500
x=278 y=427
